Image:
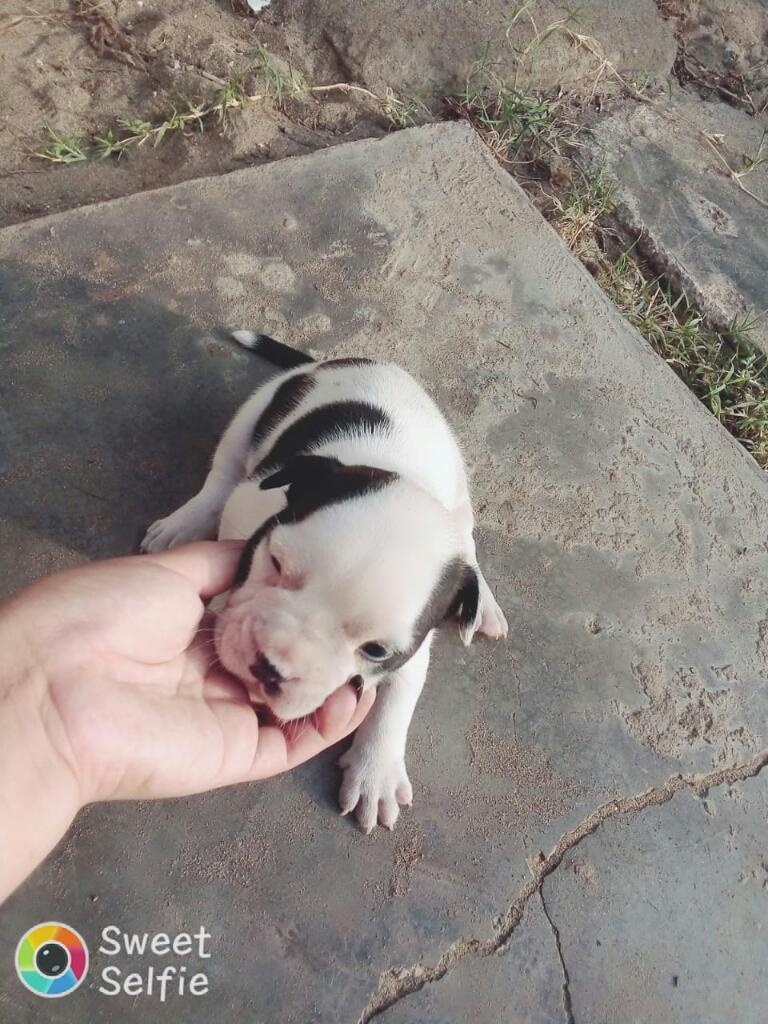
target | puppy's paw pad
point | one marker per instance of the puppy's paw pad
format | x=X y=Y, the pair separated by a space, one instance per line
x=374 y=787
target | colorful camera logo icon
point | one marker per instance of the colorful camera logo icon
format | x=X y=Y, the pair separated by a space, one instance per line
x=51 y=959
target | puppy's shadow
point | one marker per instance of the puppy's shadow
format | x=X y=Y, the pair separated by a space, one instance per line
x=110 y=409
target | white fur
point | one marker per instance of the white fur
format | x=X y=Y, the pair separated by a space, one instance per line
x=351 y=573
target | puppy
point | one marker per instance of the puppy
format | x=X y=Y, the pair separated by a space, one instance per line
x=350 y=489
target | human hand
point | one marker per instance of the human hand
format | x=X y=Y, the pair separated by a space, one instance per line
x=113 y=683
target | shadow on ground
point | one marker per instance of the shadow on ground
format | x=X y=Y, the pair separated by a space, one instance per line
x=110 y=410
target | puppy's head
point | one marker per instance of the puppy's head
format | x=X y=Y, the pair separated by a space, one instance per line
x=345 y=581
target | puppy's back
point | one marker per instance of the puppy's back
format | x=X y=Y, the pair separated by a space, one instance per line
x=361 y=412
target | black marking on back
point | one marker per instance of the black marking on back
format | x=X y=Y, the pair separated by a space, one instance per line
x=451 y=596
x=336 y=364
x=313 y=482
x=288 y=397
x=280 y=355
x=318 y=426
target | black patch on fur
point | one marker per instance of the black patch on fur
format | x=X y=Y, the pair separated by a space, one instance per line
x=330 y=364
x=280 y=355
x=313 y=482
x=326 y=423
x=467 y=599
x=246 y=558
x=451 y=597
x=288 y=397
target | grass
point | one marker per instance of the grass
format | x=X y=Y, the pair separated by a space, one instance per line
x=406 y=111
x=722 y=368
x=188 y=114
x=751 y=161
x=512 y=122
x=577 y=216
x=63 y=149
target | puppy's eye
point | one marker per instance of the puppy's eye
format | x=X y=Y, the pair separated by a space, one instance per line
x=374 y=651
x=276 y=564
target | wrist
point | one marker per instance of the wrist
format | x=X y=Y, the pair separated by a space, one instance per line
x=39 y=791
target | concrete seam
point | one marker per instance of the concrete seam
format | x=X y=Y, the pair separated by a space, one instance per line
x=567 y=1004
x=397 y=983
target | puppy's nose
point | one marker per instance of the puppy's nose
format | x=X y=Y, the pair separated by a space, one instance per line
x=266 y=673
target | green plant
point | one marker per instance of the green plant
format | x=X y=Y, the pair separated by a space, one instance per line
x=723 y=368
x=197 y=112
x=513 y=123
x=63 y=149
x=279 y=84
x=751 y=161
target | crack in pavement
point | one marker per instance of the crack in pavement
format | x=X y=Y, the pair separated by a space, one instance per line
x=567 y=1005
x=398 y=983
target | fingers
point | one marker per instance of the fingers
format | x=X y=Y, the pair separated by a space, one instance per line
x=210 y=566
x=338 y=717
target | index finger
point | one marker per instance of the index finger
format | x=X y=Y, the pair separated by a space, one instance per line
x=209 y=565
x=337 y=718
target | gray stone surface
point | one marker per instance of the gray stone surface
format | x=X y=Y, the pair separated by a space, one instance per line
x=673 y=190
x=520 y=984
x=622 y=528
x=669 y=908
x=418 y=48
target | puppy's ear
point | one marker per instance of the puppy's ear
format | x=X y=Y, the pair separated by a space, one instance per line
x=466 y=605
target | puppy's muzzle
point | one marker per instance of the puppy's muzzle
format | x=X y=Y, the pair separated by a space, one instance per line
x=265 y=672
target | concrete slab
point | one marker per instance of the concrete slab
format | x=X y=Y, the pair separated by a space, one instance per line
x=623 y=529
x=628 y=902
x=675 y=192
x=522 y=983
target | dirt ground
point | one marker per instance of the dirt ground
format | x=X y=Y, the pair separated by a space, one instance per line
x=77 y=67
x=72 y=73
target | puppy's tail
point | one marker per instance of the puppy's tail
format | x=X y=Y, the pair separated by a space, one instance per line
x=275 y=352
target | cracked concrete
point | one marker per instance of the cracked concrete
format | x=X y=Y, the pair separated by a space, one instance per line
x=619 y=524
x=398 y=983
x=567 y=1005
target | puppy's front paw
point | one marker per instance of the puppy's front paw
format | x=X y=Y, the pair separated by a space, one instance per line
x=375 y=786
x=493 y=621
x=187 y=523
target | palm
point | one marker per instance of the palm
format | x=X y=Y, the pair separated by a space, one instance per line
x=141 y=702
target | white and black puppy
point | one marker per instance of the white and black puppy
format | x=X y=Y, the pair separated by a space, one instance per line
x=350 y=489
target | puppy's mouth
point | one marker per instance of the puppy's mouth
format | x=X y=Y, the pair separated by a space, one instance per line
x=264 y=673
x=265 y=682
x=261 y=678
